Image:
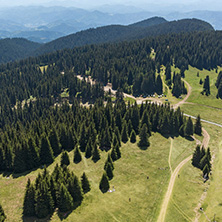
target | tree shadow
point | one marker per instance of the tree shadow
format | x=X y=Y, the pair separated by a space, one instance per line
x=35 y=219
x=17 y=175
x=189 y=138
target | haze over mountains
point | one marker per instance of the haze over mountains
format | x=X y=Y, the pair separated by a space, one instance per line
x=44 y=24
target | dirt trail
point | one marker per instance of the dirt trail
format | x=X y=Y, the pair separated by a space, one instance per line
x=185 y=98
x=173 y=177
x=162 y=214
x=205 y=143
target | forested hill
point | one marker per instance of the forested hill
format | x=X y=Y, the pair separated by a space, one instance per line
x=17 y=48
x=151 y=27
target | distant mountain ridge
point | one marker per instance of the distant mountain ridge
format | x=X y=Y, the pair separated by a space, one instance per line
x=149 y=27
x=14 y=49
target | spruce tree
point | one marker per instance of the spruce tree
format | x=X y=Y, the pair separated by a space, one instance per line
x=85 y=183
x=159 y=85
x=65 y=201
x=109 y=160
x=88 y=153
x=196 y=157
x=65 y=158
x=46 y=152
x=83 y=139
x=2 y=214
x=114 y=154
x=144 y=142
x=118 y=152
x=188 y=129
x=44 y=202
x=133 y=137
x=77 y=155
x=75 y=190
x=197 y=126
x=33 y=153
x=135 y=118
x=95 y=153
x=29 y=200
x=109 y=171
x=124 y=134
x=54 y=141
x=104 y=183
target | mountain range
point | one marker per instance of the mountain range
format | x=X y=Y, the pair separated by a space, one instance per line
x=44 y=24
x=18 y=48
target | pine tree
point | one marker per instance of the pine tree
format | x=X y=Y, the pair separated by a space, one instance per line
x=44 y=202
x=109 y=171
x=46 y=152
x=188 y=129
x=114 y=154
x=133 y=137
x=88 y=153
x=85 y=183
x=219 y=93
x=104 y=183
x=2 y=214
x=206 y=86
x=109 y=160
x=54 y=141
x=118 y=152
x=29 y=200
x=65 y=158
x=105 y=142
x=124 y=134
x=130 y=127
x=197 y=126
x=33 y=153
x=75 y=190
x=196 y=157
x=95 y=153
x=77 y=155
x=159 y=85
x=135 y=118
x=144 y=142
x=64 y=138
x=83 y=140
x=65 y=201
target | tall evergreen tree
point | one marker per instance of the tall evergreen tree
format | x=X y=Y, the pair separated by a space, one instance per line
x=188 y=129
x=46 y=152
x=124 y=134
x=198 y=126
x=44 y=202
x=114 y=154
x=29 y=200
x=104 y=183
x=89 y=148
x=33 y=154
x=109 y=160
x=196 y=157
x=206 y=86
x=65 y=158
x=109 y=170
x=54 y=141
x=83 y=140
x=77 y=155
x=133 y=137
x=85 y=183
x=159 y=85
x=144 y=142
x=95 y=153
x=75 y=190
x=65 y=201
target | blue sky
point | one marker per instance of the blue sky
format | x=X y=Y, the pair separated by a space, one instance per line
x=195 y=4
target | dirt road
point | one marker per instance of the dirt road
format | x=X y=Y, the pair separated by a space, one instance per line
x=185 y=98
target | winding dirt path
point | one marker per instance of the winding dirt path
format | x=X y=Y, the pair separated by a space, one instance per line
x=175 y=106
x=162 y=214
x=173 y=177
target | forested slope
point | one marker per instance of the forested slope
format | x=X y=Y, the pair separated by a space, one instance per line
x=15 y=49
x=117 y=33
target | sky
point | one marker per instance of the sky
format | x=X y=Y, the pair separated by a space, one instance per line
x=143 y=4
